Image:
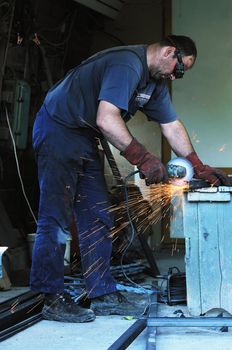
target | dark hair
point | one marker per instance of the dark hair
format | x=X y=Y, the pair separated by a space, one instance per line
x=184 y=44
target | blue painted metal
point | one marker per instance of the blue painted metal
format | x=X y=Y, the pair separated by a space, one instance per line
x=204 y=216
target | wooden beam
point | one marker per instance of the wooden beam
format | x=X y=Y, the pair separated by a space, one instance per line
x=166 y=149
x=167 y=30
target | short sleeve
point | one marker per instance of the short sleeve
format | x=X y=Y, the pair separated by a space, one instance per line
x=159 y=108
x=119 y=83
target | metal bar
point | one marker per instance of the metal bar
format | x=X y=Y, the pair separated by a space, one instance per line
x=151 y=330
x=9 y=332
x=18 y=312
x=149 y=255
x=129 y=335
x=112 y=163
x=19 y=299
x=189 y=322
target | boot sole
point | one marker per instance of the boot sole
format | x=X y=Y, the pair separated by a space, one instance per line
x=108 y=312
x=81 y=319
x=121 y=312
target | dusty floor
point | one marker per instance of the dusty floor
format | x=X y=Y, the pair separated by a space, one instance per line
x=102 y=333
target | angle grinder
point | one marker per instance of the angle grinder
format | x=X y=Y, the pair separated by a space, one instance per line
x=180 y=169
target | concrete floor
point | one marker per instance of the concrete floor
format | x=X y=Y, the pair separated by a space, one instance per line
x=49 y=335
x=101 y=333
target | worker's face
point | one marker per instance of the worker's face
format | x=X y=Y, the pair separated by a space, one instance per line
x=167 y=63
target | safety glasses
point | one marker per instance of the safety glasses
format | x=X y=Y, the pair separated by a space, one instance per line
x=178 y=71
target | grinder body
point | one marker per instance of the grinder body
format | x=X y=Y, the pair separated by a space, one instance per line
x=180 y=168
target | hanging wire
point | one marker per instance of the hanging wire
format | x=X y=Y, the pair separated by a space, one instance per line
x=17 y=165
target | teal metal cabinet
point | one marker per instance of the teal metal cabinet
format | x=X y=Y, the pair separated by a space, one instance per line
x=204 y=219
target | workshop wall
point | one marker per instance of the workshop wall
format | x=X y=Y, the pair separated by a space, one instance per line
x=40 y=41
x=203 y=98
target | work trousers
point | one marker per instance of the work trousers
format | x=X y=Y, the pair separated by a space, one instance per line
x=72 y=184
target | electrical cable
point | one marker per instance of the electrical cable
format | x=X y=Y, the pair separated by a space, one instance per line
x=176 y=291
x=56 y=28
x=17 y=165
x=65 y=40
x=8 y=4
x=132 y=229
x=147 y=306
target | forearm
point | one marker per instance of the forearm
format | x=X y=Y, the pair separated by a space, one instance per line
x=112 y=126
x=114 y=129
x=177 y=137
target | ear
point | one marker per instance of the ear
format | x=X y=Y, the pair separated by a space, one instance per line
x=169 y=51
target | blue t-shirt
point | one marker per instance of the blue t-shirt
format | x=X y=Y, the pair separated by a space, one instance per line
x=120 y=76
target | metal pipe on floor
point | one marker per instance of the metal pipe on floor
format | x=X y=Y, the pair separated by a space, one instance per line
x=129 y=335
x=189 y=322
x=18 y=327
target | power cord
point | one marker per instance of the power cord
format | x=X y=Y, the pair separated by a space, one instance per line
x=132 y=229
x=17 y=165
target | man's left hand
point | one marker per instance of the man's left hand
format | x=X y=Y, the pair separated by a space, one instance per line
x=201 y=171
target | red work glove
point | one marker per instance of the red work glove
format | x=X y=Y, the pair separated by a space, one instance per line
x=149 y=166
x=215 y=176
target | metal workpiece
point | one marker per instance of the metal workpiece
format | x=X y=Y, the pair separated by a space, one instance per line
x=225 y=189
x=151 y=329
x=152 y=322
x=20 y=326
x=137 y=327
x=198 y=184
x=208 y=196
x=19 y=313
x=189 y=322
x=129 y=335
x=204 y=186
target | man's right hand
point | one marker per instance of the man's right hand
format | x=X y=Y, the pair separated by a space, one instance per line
x=148 y=164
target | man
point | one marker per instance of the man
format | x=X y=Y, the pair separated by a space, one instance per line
x=96 y=99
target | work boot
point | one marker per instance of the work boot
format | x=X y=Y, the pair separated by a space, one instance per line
x=61 y=307
x=117 y=304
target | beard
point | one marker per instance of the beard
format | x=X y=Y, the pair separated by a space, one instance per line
x=156 y=74
x=159 y=75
